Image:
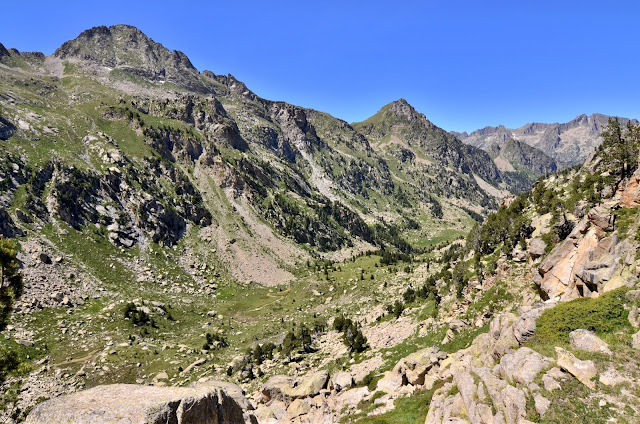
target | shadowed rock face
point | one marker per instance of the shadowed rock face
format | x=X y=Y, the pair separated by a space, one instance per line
x=3 y=51
x=208 y=403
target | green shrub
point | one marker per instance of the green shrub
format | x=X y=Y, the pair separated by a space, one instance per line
x=603 y=314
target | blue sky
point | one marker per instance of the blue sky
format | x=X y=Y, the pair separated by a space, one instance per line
x=464 y=64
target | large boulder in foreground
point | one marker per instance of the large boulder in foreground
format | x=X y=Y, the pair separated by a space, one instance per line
x=206 y=403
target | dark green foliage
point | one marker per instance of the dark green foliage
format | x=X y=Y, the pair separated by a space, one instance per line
x=603 y=314
x=392 y=258
x=508 y=226
x=11 y=285
x=9 y=361
x=215 y=341
x=299 y=339
x=351 y=334
x=396 y=308
x=262 y=352
x=138 y=317
x=474 y=215
x=619 y=148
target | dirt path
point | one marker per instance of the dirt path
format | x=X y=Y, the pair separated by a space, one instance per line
x=272 y=302
x=85 y=358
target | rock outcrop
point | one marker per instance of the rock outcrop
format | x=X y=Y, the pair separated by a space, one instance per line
x=587 y=260
x=206 y=403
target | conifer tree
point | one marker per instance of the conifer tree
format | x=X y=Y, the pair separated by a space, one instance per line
x=10 y=278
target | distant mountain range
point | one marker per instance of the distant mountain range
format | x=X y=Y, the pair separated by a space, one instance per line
x=567 y=144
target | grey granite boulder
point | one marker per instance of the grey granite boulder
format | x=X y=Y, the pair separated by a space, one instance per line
x=206 y=403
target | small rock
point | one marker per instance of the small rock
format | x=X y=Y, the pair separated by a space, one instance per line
x=44 y=258
x=542 y=404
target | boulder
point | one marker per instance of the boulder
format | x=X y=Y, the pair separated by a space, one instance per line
x=515 y=403
x=523 y=365
x=298 y=407
x=205 y=403
x=550 y=379
x=351 y=398
x=414 y=367
x=342 y=381
x=537 y=247
x=584 y=371
x=286 y=389
x=601 y=217
x=390 y=383
x=587 y=340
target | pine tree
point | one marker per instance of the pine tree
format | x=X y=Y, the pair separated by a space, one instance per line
x=620 y=146
x=10 y=278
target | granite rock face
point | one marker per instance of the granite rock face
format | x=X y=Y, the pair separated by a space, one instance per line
x=207 y=403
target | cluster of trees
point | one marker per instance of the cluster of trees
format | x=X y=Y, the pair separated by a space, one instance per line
x=214 y=341
x=137 y=316
x=427 y=291
x=620 y=147
x=352 y=335
x=509 y=226
x=262 y=352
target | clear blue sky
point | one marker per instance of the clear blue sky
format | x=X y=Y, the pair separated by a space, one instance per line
x=464 y=64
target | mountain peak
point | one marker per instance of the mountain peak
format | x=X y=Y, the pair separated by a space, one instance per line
x=402 y=108
x=126 y=48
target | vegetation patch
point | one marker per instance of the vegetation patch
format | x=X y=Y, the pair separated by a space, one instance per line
x=604 y=314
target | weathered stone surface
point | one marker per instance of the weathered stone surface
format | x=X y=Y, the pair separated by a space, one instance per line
x=416 y=365
x=523 y=365
x=206 y=403
x=390 y=383
x=537 y=247
x=542 y=404
x=584 y=371
x=342 y=381
x=587 y=340
x=635 y=341
x=550 y=379
x=286 y=389
x=515 y=404
x=601 y=217
x=298 y=407
x=631 y=191
x=351 y=398
x=556 y=276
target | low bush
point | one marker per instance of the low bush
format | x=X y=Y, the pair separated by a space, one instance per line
x=603 y=314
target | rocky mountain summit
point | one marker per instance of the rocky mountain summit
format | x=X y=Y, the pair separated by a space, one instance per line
x=127 y=49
